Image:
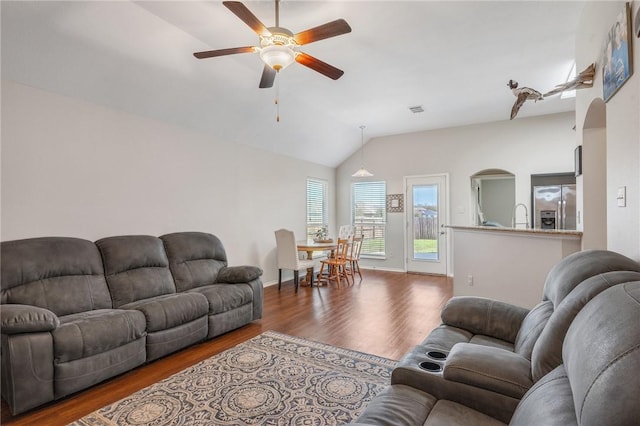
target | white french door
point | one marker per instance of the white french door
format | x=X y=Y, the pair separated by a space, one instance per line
x=426 y=213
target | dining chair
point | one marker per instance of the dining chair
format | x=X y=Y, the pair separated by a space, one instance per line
x=336 y=266
x=353 y=257
x=346 y=231
x=287 y=253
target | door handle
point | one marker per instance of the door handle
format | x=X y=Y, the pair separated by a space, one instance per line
x=442 y=232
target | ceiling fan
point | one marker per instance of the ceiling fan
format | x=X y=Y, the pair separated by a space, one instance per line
x=279 y=46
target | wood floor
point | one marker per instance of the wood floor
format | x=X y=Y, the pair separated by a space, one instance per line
x=385 y=314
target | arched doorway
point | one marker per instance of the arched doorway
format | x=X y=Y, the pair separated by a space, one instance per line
x=493 y=193
x=592 y=184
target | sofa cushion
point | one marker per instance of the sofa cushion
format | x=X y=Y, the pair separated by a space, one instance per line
x=531 y=327
x=547 y=352
x=549 y=402
x=136 y=267
x=447 y=413
x=225 y=297
x=63 y=275
x=480 y=339
x=577 y=267
x=398 y=405
x=444 y=337
x=195 y=258
x=401 y=405
x=601 y=354
x=171 y=310
x=89 y=333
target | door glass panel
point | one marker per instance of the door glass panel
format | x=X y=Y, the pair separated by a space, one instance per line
x=425 y=222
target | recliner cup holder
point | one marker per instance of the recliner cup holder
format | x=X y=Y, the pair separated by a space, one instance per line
x=437 y=355
x=430 y=366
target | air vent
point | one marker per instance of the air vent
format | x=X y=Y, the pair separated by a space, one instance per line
x=416 y=109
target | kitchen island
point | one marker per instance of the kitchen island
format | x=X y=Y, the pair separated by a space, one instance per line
x=508 y=264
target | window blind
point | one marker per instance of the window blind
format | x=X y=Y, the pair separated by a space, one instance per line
x=369 y=216
x=317 y=216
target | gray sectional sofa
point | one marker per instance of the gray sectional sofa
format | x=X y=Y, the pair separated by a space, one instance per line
x=75 y=312
x=494 y=363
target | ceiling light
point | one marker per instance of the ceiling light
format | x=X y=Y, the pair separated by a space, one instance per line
x=277 y=48
x=277 y=56
x=362 y=172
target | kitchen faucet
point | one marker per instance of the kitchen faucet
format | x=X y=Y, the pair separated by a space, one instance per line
x=526 y=216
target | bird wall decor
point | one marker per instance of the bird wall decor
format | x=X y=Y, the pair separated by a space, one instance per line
x=581 y=81
x=522 y=94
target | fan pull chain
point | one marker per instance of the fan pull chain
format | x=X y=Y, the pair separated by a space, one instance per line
x=277 y=102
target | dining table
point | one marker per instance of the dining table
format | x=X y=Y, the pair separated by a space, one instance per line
x=310 y=246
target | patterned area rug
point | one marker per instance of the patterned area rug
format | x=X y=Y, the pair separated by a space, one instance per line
x=272 y=379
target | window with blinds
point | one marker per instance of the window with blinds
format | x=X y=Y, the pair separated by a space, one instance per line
x=316 y=207
x=369 y=216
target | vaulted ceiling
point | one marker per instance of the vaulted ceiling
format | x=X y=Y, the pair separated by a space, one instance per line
x=453 y=58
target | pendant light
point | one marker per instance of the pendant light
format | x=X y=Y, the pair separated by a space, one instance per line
x=362 y=172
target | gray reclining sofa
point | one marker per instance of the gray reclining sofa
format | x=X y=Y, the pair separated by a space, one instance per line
x=487 y=355
x=596 y=384
x=75 y=313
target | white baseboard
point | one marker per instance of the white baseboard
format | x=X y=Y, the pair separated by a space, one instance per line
x=376 y=268
x=370 y=268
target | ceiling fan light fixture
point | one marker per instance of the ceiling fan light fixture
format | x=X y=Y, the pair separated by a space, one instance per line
x=277 y=56
x=278 y=46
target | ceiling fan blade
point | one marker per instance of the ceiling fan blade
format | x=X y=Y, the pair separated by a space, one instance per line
x=330 y=29
x=223 y=52
x=241 y=11
x=268 y=76
x=319 y=66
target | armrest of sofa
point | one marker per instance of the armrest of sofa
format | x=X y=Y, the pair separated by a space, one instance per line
x=245 y=275
x=27 y=319
x=484 y=316
x=238 y=274
x=490 y=368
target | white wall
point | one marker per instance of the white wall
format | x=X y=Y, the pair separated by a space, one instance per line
x=72 y=168
x=622 y=125
x=593 y=217
x=497 y=200
x=505 y=265
x=523 y=147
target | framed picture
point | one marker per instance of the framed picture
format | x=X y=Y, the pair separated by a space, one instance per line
x=617 y=62
x=395 y=203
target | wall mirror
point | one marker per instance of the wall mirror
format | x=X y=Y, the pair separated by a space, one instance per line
x=493 y=194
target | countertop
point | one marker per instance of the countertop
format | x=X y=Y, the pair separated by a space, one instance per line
x=549 y=232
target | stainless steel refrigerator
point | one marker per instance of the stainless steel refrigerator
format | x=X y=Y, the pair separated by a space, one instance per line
x=554 y=207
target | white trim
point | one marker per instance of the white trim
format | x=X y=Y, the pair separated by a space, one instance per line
x=447 y=219
x=376 y=268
